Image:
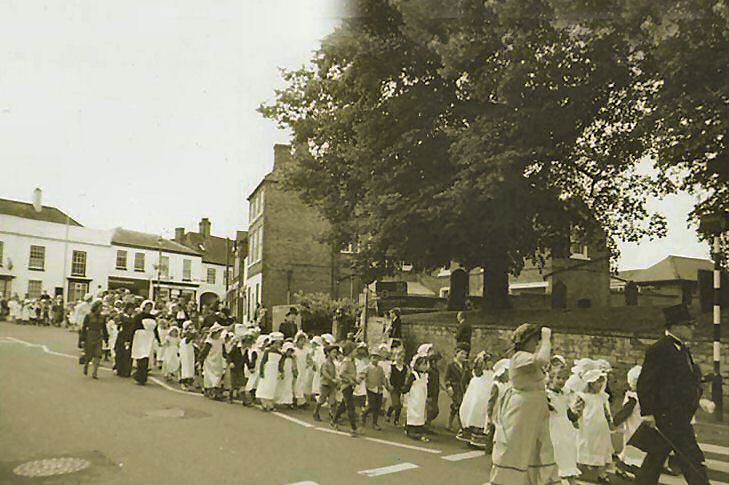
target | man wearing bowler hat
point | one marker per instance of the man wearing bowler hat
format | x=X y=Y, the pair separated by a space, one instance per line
x=288 y=327
x=669 y=389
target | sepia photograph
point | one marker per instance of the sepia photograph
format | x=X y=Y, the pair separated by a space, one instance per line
x=334 y=242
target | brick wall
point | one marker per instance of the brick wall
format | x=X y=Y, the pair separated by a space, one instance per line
x=622 y=350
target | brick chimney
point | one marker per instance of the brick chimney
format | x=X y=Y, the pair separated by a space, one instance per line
x=204 y=227
x=281 y=157
x=179 y=234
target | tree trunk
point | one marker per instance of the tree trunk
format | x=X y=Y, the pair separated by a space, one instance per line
x=496 y=282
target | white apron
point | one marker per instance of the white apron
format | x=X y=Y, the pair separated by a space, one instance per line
x=171 y=358
x=144 y=339
x=214 y=365
x=563 y=434
x=319 y=359
x=361 y=388
x=187 y=359
x=594 y=445
x=267 y=385
x=285 y=386
x=475 y=401
x=303 y=372
x=253 y=377
x=630 y=454
x=416 y=399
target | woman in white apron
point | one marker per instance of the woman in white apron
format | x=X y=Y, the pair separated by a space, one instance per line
x=187 y=355
x=255 y=356
x=416 y=386
x=631 y=455
x=269 y=372
x=145 y=335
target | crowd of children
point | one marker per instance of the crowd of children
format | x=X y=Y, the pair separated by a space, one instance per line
x=236 y=362
x=42 y=311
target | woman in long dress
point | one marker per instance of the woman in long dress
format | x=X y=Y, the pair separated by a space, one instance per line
x=253 y=366
x=523 y=453
x=302 y=359
x=213 y=361
x=145 y=336
x=171 y=357
x=269 y=372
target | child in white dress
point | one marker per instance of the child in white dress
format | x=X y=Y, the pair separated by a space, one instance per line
x=472 y=412
x=594 y=445
x=287 y=368
x=564 y=412
x=269 y=372
x=628 y=418
x=416 y=387
x=170 y=354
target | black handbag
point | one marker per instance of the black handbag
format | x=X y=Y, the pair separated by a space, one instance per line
x=649 y=439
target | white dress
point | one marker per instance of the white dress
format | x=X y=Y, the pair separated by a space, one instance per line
x=285 y=386
x=630 y=454
x=563 y=433
x=475 y=400
x=269 y=382
x=594 y=445
x=171 y=358
x=159 y=349
x=253 y=377
x=14 y=310
x=113 y=332
x=214 y=365
x=303 y=372
x=187 y=359
x=415 y=399
x=361 y=388
x=144 y=339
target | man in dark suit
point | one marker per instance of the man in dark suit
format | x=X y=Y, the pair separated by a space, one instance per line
x=288 y=327
x=669 y=389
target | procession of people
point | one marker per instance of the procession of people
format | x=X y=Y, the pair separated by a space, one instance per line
x=541 y=419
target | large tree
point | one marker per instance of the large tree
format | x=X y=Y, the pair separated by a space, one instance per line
x=463 y=133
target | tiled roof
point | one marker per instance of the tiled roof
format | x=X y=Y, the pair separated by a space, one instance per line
x=212 y=248
x=26 y=211
x=125 y=237
x=672 y=268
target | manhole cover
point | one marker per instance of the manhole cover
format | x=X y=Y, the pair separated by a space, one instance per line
x=166 y=413
x=51 y=466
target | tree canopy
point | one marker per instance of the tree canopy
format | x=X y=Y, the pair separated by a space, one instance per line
x=476 y=132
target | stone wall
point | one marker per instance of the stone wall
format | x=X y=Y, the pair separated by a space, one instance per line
x=622 y=350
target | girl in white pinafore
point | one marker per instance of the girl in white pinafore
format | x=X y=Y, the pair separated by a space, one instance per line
x=318 y=358
x=170 y=354
x=472 y=412
x=594 y=445
x=187 y=355
x=287 y=367
x=213 y=361
x=301 y=352
x=269 y=373
x=562 y=428
x=255 y=355
x=631 y=455
x=416 y=386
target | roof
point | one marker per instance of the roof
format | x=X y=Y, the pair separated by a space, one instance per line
x=270 y=177
x=212 y=248
x=672 y=268
x=135 y=239
x=27 y=211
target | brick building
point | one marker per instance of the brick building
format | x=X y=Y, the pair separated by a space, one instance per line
x=286 y=254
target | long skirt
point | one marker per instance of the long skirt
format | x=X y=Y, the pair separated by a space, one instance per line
x=268 y=384
x=213 y=369
x=472 y=412
x=285 y=386
x=523 y=453
x=187 y=360
x=123 y=358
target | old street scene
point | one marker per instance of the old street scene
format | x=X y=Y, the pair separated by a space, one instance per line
x=329 y=242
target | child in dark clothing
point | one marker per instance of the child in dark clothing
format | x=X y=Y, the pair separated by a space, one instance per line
x=433 y=389
x=398 y=373
x=456 y=374
x=375 y=383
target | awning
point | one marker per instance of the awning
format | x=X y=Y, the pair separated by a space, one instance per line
x=527 y=286
x=5 y=273
x=79 y=278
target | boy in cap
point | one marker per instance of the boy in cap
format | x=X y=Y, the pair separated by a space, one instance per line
x=375 y=384
x=456 y=374
x=328 y=383
x=348 y=380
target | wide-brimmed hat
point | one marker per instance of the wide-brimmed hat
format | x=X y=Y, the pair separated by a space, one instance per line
x=276 y=337
x=501 y=366
x=328 y=338
x=330 y=348
x=592 y=376
x=633 y=375
x=317 y=340
x=424 y=349
x=288 y=346
x=524 y=332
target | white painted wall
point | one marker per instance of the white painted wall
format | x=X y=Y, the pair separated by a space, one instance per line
x=18 y=234
x=219 y=287
x=252 y=282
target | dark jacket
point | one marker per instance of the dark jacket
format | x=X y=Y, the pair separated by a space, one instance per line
x=669 y=386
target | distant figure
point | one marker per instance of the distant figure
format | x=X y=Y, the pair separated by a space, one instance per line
x=288 y=327
x=395 y=324
x=463 y=331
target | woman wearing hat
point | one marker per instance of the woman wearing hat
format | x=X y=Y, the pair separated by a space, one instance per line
x=213 y=361
x=523 y=453
x=269 y=372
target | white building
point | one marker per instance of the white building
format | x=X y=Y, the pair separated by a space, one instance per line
x=150 y=265
x=48 y=251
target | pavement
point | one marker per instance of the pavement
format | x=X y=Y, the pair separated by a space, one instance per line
x=58 y=426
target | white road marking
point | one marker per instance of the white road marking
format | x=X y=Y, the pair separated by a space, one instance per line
x=303 y=483
x=719 y=450
x=293 y=420
x=43 y=347
x=333 y=431
x=376 y=472
x=718 y=466
x=464 y=456
x=403 y=445
x=164 y=385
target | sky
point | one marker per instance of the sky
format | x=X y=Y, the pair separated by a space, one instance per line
x=142 y=115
